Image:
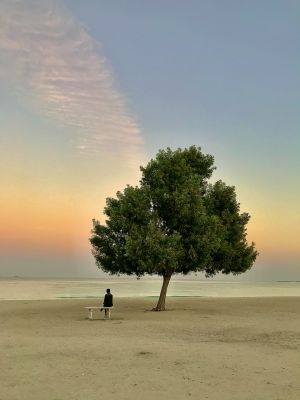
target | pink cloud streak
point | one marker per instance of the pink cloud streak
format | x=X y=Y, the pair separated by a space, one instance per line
x=58 y=68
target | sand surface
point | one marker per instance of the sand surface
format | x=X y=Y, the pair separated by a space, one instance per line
x=202 y=348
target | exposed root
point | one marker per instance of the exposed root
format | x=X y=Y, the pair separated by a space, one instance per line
x=158 y=309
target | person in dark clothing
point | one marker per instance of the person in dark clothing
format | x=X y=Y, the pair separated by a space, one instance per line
x=108 y=300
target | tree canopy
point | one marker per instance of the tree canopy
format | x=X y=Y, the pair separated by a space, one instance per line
x=174 y=222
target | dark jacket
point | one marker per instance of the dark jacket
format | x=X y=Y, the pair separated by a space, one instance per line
x=108 y=300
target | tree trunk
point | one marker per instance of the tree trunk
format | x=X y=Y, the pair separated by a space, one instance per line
x=162 y=297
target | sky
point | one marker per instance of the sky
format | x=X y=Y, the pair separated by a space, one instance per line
x=89 y=91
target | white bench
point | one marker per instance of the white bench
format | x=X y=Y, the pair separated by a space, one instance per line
x=91 y=309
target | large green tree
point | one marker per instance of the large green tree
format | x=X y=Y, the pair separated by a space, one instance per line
x=174 y=222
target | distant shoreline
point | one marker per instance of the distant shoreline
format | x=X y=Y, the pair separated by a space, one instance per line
x=145 y=278
x=140 y=298
x=50 y=289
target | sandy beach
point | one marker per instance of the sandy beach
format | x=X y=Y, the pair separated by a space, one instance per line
x=201 y=348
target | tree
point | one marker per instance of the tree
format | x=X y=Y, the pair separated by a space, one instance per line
x=174 y=222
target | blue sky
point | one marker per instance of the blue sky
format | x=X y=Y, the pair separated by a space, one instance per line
x=224 y=75
x=91 y=90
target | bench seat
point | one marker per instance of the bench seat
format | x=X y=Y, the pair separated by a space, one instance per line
x=92 y=308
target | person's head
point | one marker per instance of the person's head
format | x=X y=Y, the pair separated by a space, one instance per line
x=107 y=290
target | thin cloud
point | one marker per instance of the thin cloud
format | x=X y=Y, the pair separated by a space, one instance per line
x=58 y=68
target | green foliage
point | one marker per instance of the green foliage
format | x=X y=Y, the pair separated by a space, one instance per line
x=174 y=222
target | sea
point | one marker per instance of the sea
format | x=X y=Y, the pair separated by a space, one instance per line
x=53 y=289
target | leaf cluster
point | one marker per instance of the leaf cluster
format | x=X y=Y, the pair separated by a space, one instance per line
x=175 y=221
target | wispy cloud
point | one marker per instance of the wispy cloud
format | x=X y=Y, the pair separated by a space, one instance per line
x=56 y=64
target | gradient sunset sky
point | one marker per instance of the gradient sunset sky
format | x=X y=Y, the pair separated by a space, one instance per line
x=91 y=90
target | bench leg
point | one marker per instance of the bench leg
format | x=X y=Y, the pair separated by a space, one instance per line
x=109 y=313
x=90 y=314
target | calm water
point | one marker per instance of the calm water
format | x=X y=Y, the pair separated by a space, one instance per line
x=42 y=289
